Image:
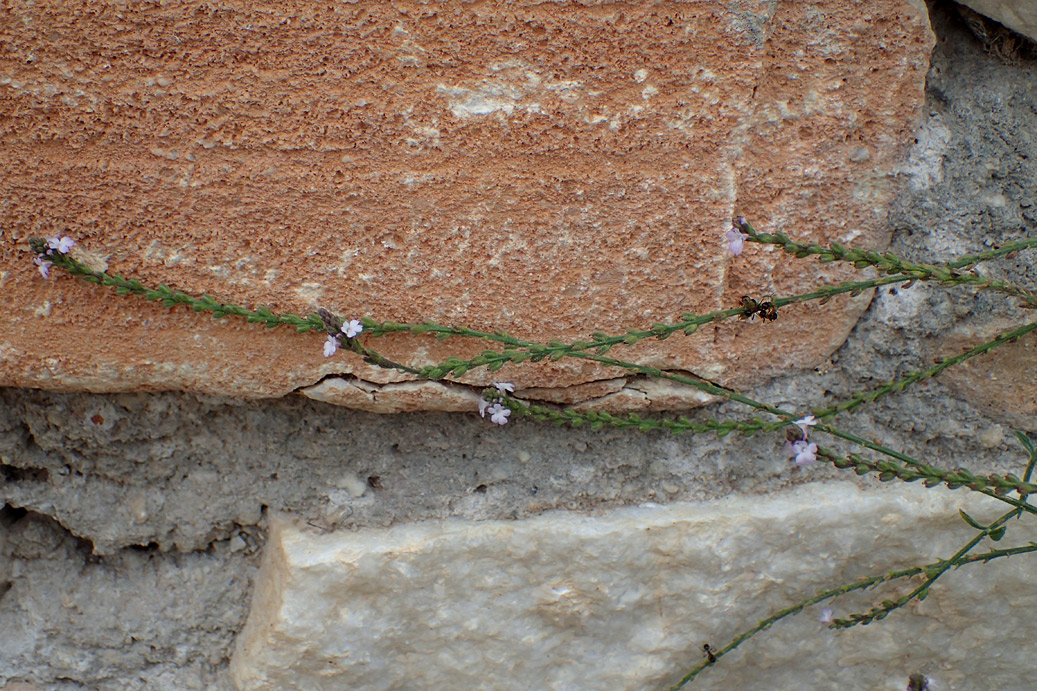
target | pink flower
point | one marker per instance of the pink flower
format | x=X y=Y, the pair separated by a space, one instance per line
x=499 y=414
x=330 y=346
x=504 y=387
x=352 y=328
x=805 y=424
x=61 y=245
x=805 y=452
x=826 y=617
x=483 y=405
x=735 y=239
x=43 y=265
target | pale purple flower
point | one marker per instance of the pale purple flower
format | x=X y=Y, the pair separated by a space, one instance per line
x=498 y=414
x=483 y=405
x=504 y=387
x=43 y=265
x=805 y=424
x=805 y=452
x=61 y=245
x=352 y=328
x=826 y=617
x=330 y=346
x=735 y=239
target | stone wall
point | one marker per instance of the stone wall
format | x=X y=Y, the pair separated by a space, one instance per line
x=179 y=540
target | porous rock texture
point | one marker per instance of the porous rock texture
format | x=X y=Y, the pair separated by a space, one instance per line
x=549 y=168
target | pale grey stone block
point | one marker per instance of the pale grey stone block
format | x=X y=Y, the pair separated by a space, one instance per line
x=626 y=599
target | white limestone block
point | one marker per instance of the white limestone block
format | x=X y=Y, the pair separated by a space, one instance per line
x=1017 y=15
x=626 y=599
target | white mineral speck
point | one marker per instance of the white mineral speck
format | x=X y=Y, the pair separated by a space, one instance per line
x=352 y=484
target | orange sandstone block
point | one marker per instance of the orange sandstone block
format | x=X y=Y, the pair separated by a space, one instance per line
x=549 y=168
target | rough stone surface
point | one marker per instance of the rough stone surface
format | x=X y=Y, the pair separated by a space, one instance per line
x=73 y=621
x=1004 y=383
x=102 y=476
x=970 y=187
x=571 y=169
x=625 y=600
x=1018 y=15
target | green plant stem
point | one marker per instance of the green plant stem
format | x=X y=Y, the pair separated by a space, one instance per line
x=577 y=419
x=520 y=349
x=829 y=594
x=529 y=350
x=931 y=475
x=987 y=255
x=932 y=573
x=597 y=420
x=994 y=486
x=787 y=416
x=373 y=357
x=492 y=359
x=954 y=479
x=170 y=298
x=889 y=263
x=898 y=385
x=1031 y=451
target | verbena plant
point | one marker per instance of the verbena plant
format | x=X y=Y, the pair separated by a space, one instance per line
x=499 y=401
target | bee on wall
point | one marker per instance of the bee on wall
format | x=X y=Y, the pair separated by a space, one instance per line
x=765 y=308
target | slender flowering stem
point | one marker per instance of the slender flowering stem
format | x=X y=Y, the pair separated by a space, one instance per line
x=1031 y=452
x=597 y=420
x=170 y=298
x=993 y=486
x=889 y=263
x=995 y=531
x=521 y=350
x=862 y=584
x=680 y=425
x=373 y=357
x=960 y=478
x=987 y=255
x=898 y=385
x=932 y=573
x=931 y=476
x=602 y=342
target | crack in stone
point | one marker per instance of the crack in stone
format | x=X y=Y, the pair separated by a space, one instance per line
x=640 y=392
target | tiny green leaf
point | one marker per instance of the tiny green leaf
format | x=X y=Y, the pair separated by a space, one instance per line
x=970 y=520
x=1025 y=441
